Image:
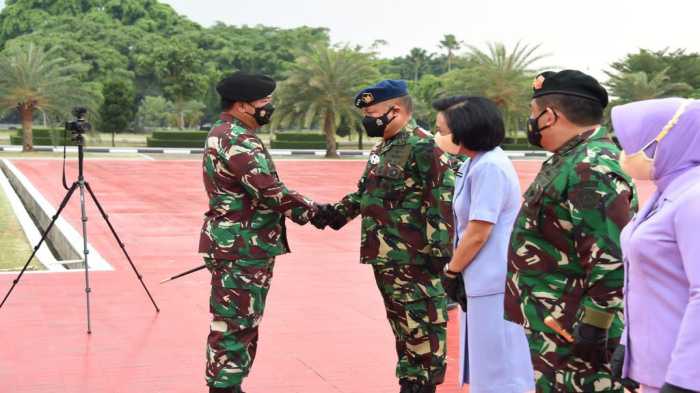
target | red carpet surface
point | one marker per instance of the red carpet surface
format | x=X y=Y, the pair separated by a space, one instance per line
x=324 y=328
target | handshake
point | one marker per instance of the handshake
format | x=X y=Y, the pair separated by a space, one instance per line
x=326 y=215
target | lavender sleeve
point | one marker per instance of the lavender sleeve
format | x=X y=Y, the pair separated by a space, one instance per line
x=488 y=190
x=683 y=371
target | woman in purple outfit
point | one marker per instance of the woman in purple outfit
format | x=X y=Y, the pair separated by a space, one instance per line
x=661 y=245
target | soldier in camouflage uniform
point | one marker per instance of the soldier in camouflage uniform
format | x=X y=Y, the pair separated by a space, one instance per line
x=244 y=227
x=565 y=273
x=404 y=197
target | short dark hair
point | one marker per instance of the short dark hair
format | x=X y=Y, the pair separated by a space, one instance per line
x=226 y=104
x=406 y=103
x=476 y=122
x=580 y=111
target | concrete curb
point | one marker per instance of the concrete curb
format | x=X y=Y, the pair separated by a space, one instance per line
x=66 y=240
x=199 y=151
x=31 y=233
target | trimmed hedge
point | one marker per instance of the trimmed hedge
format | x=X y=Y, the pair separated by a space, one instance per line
x=298 y=145
x=181 y=135
x=513 y=141
x=194 y=139
x=300 y=137
x=43 y=137
x=299 y=140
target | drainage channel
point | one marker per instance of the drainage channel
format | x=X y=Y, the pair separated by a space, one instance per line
x=63 y=248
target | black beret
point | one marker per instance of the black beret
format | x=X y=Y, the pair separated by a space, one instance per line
x=382 y=91
x=245 y=87
x=571 y=83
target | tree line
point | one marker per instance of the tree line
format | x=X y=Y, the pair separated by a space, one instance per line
x=138 y=64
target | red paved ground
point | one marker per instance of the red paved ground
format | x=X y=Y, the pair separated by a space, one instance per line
x=324 y=329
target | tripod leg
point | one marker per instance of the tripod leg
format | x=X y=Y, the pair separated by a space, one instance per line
x=121 y=244
x=84 y=219
x=63 y=204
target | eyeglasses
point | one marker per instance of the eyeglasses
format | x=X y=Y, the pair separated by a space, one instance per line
x=664 y=132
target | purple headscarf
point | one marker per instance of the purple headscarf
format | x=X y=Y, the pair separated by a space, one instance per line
x=637 y=123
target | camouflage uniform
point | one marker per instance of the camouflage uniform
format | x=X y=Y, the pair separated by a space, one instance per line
x=243 y=231
x=565 y=258
x=404 y=197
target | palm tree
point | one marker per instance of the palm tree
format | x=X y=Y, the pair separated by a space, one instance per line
x=32 y=78
x=501 y=75
x=450 y=43
x=418 y=59
x=320 y=87
x=635 y=86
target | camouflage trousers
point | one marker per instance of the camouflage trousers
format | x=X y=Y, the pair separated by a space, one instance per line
x=238 y=291
x=416 y=307
x=558 y=371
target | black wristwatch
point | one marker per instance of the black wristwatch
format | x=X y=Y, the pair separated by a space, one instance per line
x=450 y=273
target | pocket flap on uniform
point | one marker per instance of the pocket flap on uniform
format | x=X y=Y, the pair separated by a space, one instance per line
x=390 y=172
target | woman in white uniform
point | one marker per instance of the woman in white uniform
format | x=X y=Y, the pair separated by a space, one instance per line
x=486 y=203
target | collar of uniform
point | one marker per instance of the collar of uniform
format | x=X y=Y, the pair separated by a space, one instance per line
x=228 y=118
x=585 y=136
x=399 y=139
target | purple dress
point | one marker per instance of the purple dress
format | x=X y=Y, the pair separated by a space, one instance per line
x=662 y=293
x=661 y=248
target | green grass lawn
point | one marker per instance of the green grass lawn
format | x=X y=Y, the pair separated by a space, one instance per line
x=14 y=247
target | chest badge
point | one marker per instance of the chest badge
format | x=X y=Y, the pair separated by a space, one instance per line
x=374 y=159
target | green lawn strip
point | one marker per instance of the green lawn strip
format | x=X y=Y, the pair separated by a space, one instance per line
x=14 y=247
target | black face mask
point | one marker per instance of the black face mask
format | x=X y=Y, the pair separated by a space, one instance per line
x=375 y=126
x=534 y=132
x=263 y=114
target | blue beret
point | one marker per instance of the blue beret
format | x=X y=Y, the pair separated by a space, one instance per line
x=382 y=91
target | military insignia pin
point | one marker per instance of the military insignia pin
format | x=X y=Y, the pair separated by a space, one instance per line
x=367 y=98
x=374 y=159
x=538 y=82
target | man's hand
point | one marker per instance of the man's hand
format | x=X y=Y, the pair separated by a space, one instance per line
x=320 y=219
x=335 y=219
x=453 y=283
x=591 y=344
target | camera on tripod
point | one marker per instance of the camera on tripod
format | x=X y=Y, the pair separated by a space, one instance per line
x=79 y=126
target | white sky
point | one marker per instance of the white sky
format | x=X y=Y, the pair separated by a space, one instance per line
x=586 y=35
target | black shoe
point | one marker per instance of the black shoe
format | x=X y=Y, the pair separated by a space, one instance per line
x=407 y=386
x=426 y=389
x=415 y=387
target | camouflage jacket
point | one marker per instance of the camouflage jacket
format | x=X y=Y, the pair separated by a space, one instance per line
x=564 y=258
x=247 y=201
x=405 y=199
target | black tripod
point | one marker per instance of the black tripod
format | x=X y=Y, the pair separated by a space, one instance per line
x=82 y=185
